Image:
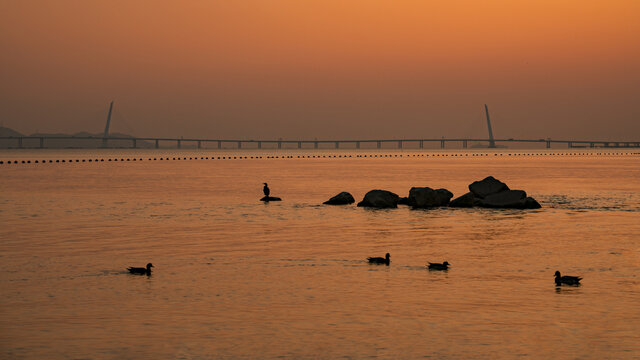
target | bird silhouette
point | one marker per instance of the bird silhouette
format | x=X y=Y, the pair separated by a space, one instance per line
x=380 y=260
x=266 y=190
x=438 y=266
x=141 y=270
x=567 y=280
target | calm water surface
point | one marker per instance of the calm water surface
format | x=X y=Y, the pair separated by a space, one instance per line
x=236 y=278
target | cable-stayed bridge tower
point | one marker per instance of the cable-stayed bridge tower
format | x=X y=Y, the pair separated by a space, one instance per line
x=492 y=143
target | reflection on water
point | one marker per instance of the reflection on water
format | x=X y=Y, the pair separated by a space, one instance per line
x=236 y=278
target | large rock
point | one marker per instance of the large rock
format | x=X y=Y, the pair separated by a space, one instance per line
x=505 y=199
x=487 y=186
x=426 y=197
x=466 y=200
x=380 y=199
x=343 y=198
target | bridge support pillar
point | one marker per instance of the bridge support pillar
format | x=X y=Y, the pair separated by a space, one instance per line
x=299 y=144
x=41 y=143
x=464 y=144
x=379 y=144
x=570 y=144
x=421 y=144
x=315 y=144
x=104 y=143
x=357 y=144
x=219 y=144
x=239 y=144
x=592 y=145
x=279 y=144
x=259 y=144
x=134 y=143
x=548 y=144
x=441 y=144
x=20 y=142
x=179 y=144
x=337 y=144
x=199 y=144
x=157 y=143
x=399 y=144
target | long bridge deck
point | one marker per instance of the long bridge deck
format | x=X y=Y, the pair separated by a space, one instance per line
x=41 y=142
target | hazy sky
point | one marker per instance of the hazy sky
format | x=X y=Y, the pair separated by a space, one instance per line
x=333 y=69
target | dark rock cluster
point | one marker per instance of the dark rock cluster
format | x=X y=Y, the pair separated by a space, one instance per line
x=488 y=192
x=493 y=193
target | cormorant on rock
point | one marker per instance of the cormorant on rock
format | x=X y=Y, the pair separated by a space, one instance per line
x=141 y=271
x=438 y=266
x=567 y=280
x=379 y=260
x=266 y=190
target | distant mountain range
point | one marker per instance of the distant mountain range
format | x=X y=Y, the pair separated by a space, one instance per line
x=66 y=143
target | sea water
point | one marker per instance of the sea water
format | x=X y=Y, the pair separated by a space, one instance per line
x=234 y=277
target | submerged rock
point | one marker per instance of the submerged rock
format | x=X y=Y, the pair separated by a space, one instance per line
x=487 y=186
x=466 y=200
x=343 y=198
x=270 y=198
x=426 y=197
x=403 y=201
x=380 y=199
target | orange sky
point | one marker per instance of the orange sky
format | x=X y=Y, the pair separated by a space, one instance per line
x=326 y=69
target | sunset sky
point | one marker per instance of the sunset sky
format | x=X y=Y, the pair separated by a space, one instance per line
x=335 y=69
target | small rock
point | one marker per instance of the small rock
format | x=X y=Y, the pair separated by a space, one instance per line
x=380 y=199
x=466 y=200
x=343 y=198
x=487 y=186
x=270 y=198
x=531 y=203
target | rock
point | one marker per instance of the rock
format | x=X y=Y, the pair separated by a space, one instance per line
x=531 y=203
x=343 y=198
x=270 y=198
x=466 y=200
x=380 y=199
x=505 y=199
x=426 y=197
x=487 y=186
x=403 y=201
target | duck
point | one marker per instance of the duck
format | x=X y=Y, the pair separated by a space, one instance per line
x=567 y=280
x=140 y=270
x=379 y=260
x=438 y=266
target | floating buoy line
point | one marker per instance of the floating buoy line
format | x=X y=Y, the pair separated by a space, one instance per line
x=325 y=156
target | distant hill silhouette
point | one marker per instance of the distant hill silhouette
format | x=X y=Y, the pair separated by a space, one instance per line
x=5 y=131
x=67 y=143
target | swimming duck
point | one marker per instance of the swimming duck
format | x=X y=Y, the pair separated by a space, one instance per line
x=438 y=266
x=141 y=271
x=567 y=280
x=379 y=260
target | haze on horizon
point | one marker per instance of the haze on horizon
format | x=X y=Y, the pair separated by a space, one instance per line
x=329 y=69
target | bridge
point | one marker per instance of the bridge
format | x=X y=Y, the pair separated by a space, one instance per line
x=40 y=142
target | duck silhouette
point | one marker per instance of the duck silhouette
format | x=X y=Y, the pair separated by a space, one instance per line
x=438 y=266
x=380 y=260
x=566 y=280
x=140 y=270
